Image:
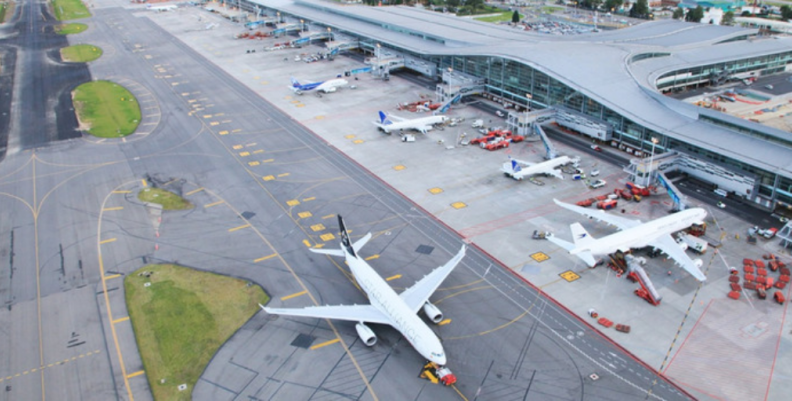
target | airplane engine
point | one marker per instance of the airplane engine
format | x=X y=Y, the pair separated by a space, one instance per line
x=433 y=313
x=683 y=245
x=330 y=90
x=698 y=262
x=366 y=334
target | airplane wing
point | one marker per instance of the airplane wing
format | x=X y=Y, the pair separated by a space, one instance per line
x=667 y=244
x=424 y=129
x=353 y=313
x=620 y=222
x=417 y=295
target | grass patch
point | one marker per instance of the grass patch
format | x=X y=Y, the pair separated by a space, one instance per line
x=106 y=109
x=3 y=8
x=69 y=9
x=504 y=16
x=167 y=199
x=69 y=29
x=182 y=319
x=551 y=10
x=80 y=53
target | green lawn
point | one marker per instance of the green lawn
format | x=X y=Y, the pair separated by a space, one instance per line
x=106 y=109
x=550 y=10
x=182 y=319
x=80 y=53
x=504 y=16
x=167 y=199
x=3 y=8
x=69 y=9
x=68 y=29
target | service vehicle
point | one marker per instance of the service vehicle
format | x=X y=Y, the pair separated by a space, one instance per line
x=598 y=184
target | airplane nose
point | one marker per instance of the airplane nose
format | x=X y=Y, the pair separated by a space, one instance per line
x=440 y=360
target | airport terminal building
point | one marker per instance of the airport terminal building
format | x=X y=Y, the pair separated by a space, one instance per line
x=620 y=78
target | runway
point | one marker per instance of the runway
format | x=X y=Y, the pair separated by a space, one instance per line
x=265 y=188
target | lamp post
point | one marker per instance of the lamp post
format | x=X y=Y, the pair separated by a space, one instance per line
x=651 y=161
x=302 y=26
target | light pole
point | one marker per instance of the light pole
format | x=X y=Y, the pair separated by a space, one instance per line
x=302 y=26
x=651 y=161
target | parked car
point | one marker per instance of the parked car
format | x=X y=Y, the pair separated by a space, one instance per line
x=594 y=173
x=721 y=205
x=598 y=184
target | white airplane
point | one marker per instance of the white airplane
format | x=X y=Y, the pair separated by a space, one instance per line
x=387 y=307
x=423 y=124
x=161 y=8
x=328 y=86
x=519 y=169
x=633 y=234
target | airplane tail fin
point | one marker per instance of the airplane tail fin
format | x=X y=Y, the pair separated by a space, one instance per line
x=514 y=165
x=294 y=82
x=580 y=235
x=585 y=256
x=350 y=248
x=383 y=118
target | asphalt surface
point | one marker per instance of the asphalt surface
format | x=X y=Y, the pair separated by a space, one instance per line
x=70 y=225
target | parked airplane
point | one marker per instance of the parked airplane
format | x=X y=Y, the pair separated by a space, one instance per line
x=328 y=86
x=161 y=8
x=633 y=234
x=519 y=169
x=423 y=124
x=387 y=307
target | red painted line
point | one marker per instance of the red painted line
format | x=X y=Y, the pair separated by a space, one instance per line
x=778 y=343
x=701 y=391
x=681 y=346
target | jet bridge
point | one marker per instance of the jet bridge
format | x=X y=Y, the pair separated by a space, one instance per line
x=550 y=150
x=455 y=86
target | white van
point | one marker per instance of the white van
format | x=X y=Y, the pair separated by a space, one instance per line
x=721 y=192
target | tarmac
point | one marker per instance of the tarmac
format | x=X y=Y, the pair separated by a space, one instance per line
x=268 y=171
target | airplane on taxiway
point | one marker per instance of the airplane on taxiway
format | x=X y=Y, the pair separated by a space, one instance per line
x=389 y=123
x=328 y=86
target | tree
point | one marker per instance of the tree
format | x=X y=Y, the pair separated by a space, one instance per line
x=640 y=9
x=474 y=4
x=613 y=5
x=695 y=15
x=679 y=13
x=452 y=4
x=728 y=18
x=515 y=17
x=786 y=12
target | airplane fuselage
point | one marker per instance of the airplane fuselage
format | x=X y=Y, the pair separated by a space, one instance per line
x=406 y=321
x=642 y=235
x=539 y=168
x=415 y=124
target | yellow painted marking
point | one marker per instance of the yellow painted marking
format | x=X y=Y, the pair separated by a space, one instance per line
x=327 y=237
x=540 y=256
x=119 y=320
x=121 y=192
x=238 y=228
x=300 y=105
x=458 y=205
x=305 y=215
x=214 y=123
x=308 y=244
x=324 y=344
x=283 y=175
x=350 y=136
x=318 y=227
x=112 y=276
x=185 y=94
x=144 y=182
x=223 y=132
x=213 y=204
x=236 y=147
x=265 y=258
x=194 y=191
x=264 y=82
x=107 y=241
x=309 y=199
x=25 y=372
x=268 y=161
x=191 y=101
x=319 y=117
x=138 y=373
x=174 y=84
x=256 y=78
x=569 y=275
x=329 y=216
x=255 y=152
x=372 y=257
x=219 y=114
x=295 y=295
x=236 y=130
x=110 y=209
x=358 y=141
x=393 y=277
x=399 y=167
x=293 y=202
x=268 y=178
x=295 y=101
x=444 y=322
x=244 y=154
x=435 y=191
x=253 y=163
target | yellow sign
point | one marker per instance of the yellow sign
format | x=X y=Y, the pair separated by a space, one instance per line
x=540 y=257
x=569 y=276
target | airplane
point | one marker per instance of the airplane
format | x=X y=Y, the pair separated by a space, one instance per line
x=328 y=86
x=519 y=169
x=421 y=125
x=161 y=8
x=386 y=307
x=633 y=234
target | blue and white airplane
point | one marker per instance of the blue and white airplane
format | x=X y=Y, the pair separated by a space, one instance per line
x=328 y=86
x=519 y=169
x=387 y=124
x=386 y=307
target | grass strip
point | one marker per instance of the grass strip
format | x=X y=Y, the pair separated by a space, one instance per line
x=69 y=9
x=80 y=53
x=71 y=28
x=167 y=199
x=106 y=109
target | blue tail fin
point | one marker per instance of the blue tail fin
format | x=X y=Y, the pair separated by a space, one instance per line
x=345 y=237
x=515 y=166
x=294 y=82
x=384 y=118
